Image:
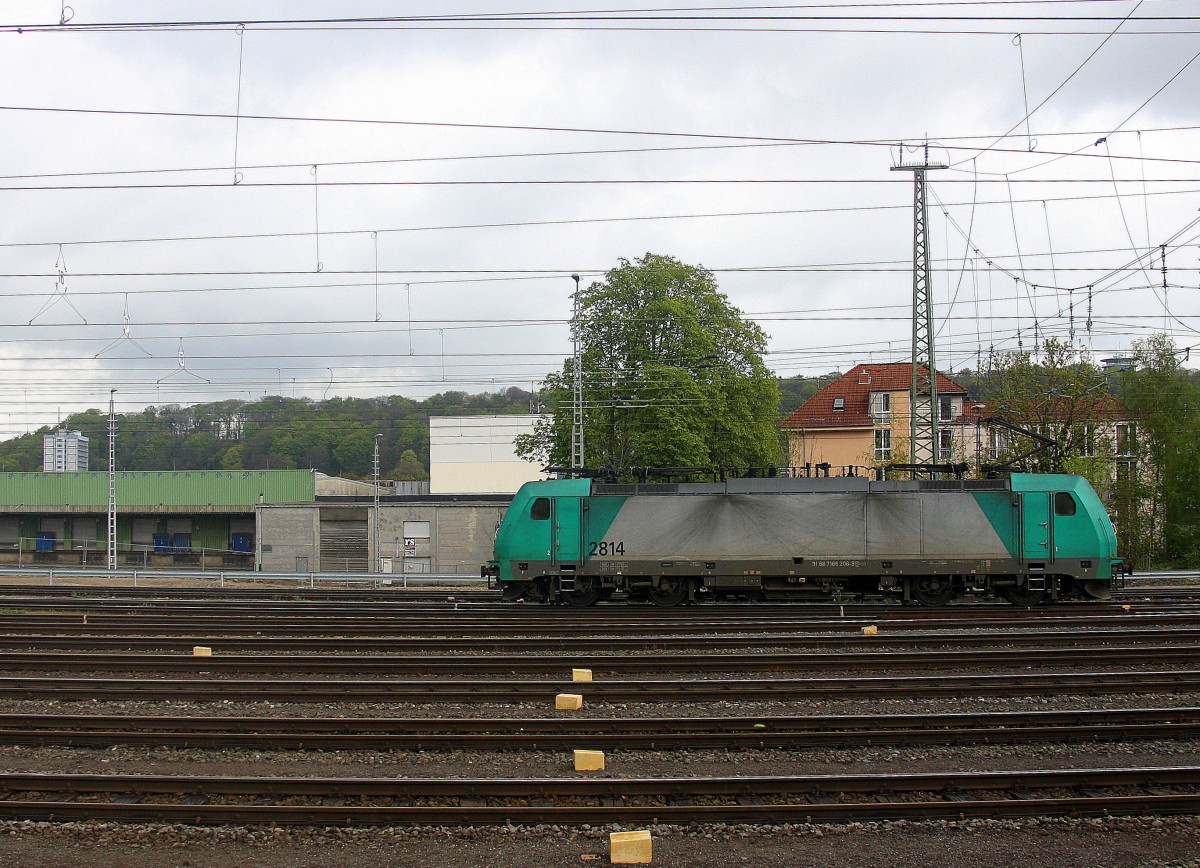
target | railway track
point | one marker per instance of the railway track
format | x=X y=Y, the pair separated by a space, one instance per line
x=509 y=691
x=661 y=733
x=601 y=664
x=808 y=798
x=597 y=643
x=473 y=624
x=374 y=648
x=290 y=601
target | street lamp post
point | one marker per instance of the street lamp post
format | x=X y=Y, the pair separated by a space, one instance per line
x=376 y=565
x=112 y=480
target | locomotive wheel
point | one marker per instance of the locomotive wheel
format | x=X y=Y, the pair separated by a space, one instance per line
x=1023 y=596
x=932 y=590
x=670 y=591
x=586 y=593
x=513 y=591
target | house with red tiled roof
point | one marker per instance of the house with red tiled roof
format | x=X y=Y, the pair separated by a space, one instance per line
x=861 y=420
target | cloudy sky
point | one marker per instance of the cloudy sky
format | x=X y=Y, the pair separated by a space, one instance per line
x=360 y=198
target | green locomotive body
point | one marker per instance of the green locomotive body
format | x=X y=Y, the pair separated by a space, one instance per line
x=1026 y=538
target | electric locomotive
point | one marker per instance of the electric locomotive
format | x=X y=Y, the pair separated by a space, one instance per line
x=1027 y=538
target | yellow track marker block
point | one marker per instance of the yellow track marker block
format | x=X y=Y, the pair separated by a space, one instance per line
x=568 y=702
x=581 y=675
x=870 y=630
x=630 y=848
x=201 y=651
x=589 y=760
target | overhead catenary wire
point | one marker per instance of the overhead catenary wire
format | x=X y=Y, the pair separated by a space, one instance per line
x=357 y=281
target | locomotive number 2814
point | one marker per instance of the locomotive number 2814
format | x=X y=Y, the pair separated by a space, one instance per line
x=605 y=548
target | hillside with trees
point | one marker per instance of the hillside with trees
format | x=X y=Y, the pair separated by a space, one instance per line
x=335 y=436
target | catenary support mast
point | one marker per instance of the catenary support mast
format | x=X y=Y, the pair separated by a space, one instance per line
x=923 y=398
x=577 y=383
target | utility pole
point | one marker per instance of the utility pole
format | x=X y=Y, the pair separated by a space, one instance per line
x=112 y=480
x=923 y=397
x=577 y=370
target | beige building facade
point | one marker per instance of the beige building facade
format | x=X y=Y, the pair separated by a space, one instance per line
x=861 y=421
x=475 y=454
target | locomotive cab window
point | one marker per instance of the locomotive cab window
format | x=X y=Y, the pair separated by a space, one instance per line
x=1064 y=503
x=540 y=511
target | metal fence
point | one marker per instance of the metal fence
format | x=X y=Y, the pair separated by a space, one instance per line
x=146 y=578
x=35 y=551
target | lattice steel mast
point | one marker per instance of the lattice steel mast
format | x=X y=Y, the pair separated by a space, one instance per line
x=577 y=390
x=923 y=399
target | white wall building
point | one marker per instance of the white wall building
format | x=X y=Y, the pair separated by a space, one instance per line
x=64 y=452
x=475 y=455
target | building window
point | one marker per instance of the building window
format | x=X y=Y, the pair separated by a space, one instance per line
x=839 y=403
x=883 y=444
x=881 y=407
x=416 y=529
x=1089 y=441
x=945 y=440
x=999 y=442
x=945 y=409
x=1126 y=438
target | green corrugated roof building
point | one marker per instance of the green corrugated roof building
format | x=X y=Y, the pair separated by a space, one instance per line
x=156 y=490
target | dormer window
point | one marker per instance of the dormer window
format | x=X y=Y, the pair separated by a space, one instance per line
x=839 y=404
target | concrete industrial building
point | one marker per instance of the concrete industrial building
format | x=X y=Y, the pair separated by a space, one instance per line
x=417 y=534
x=200 y=518
x=473 y=473
x=278 y=520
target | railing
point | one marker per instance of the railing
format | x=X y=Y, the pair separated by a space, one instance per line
x=27 y=551
x=810 y=471
x=140 y=578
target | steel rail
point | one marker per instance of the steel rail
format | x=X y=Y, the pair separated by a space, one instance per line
x=171 y=599
x=580 y=644
x=770 y=800
x=355 y=815
x=480 y=614
x=760 y=732
x=465 y=625
x=603 y=664
x=509 y=691
x=603 y=787
x=218 y=600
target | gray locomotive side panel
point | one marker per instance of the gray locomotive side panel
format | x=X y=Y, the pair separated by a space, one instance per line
x=894 y=525
x=843 y=525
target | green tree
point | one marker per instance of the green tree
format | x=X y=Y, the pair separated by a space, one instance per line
x=354 y=452
x=1163 y=487
x=673 y=376
x=233 y=458
x=409 y=467
x=1062 y=395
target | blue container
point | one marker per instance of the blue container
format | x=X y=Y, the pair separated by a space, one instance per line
x=45 y=541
